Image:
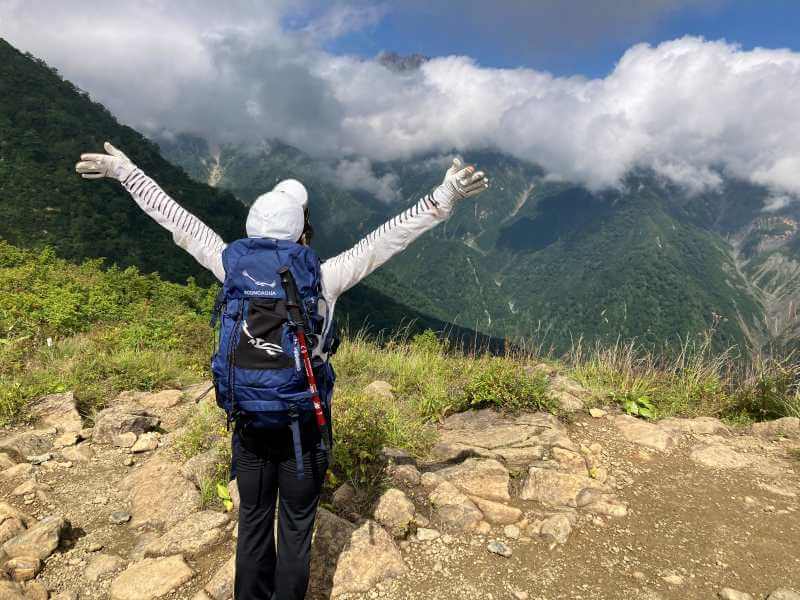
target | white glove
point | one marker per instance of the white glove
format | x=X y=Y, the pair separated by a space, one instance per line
x=114 y=164
x=460 y=182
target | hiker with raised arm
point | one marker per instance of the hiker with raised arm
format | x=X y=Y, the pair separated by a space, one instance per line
x=271 y=370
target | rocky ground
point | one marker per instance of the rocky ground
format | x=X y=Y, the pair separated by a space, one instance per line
x=599 y=505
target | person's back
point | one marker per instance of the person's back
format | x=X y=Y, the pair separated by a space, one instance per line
x=279 y=443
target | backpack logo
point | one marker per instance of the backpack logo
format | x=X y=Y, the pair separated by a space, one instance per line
x=258 y=343
x=270 y=284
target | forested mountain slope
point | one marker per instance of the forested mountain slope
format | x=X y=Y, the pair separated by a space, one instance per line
x=45 y=124
x=538 y=258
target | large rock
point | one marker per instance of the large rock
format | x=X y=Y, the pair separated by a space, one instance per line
x=453 y=452
x=16 y=472
x=346 y=560
x=151 y=578
x=497 y=512
x=101 y=565
x=519 y=459
x=118 y=420
x=574 y=462
x=784 y=594
x=646 y=434
x=454 y=508
x=161 y=400
x=555 y=488
x=9 y=512
x=488 y=429
x=11 y=590
x=58 y=410
x=719 y=456
x=556 y=529
x=202 y=467
x=404 y=474
x=38 y=541
x=10 y=528
x=80 y=453
x=220 y=587
x=193 y=535
x=696 y=426
x=486 y=478
x=26 y=443
x=395 y=512
x=787 y=426
x=159 y=495
x=23 y=568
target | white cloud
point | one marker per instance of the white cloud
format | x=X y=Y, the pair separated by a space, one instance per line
x=357 y=174
x=236 y=73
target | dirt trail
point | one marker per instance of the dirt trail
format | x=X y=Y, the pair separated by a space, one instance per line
x=691 y=529
x=713 y=528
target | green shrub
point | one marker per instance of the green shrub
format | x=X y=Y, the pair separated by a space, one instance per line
x=503 y=383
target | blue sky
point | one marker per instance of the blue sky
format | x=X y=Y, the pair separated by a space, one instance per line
x=588 y=46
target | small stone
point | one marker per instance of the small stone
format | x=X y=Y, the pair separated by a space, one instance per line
x=405 y=475
x=731 y=594
x=81 y=453
x=23 y=568
x=68 y=438
x=519 y=595
x=30 y=487
x=499 y=548
x=556 y=529
x=146 y=442
x=39 y=458
x=119 y=517
x=483 y=528
x=101 y=565
x=17 y=471
x=125 y=440
x=673 y=579
x=344 y=496
x=128 y=461
x=497 y=512
x=597 y=413
x=427 y=535
x=511 y=532
x=395 y=512
x=94 y=547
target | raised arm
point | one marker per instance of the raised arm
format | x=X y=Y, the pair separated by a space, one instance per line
x=343 y=271
x=188 y=232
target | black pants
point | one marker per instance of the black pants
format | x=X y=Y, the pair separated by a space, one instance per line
x=265 y=469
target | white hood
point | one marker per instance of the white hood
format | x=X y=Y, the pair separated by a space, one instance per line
x=278 y=214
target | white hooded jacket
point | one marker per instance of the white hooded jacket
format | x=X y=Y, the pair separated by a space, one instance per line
x=278 y=214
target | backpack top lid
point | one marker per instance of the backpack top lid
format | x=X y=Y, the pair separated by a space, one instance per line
x=252 y=264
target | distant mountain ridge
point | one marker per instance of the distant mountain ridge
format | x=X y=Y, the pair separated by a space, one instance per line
x=538 y=258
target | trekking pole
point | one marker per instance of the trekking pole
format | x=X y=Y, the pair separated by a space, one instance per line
x=298 y=323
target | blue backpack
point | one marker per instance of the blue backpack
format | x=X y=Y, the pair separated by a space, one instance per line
x=258 y=375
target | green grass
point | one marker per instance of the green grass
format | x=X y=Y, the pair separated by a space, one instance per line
x=697 y=381
x=99 y=331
